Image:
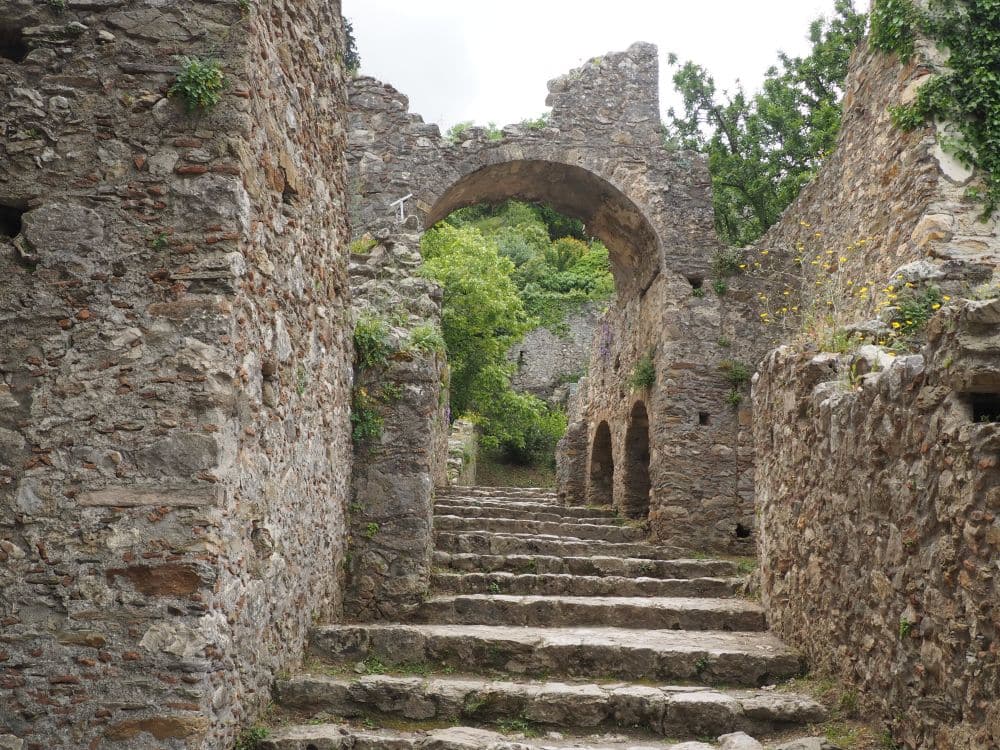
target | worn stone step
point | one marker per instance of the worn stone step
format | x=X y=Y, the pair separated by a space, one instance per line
x=527 y=511
x=529 y=502
x=558 y=584
x=655 y=613
x=669 y=711
x=496 y=543
x=707 y=657
x=341 y=737
x=602 y=532
x=588 y=566
x=502 y=493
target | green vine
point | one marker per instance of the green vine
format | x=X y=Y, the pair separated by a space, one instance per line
x=967 y=93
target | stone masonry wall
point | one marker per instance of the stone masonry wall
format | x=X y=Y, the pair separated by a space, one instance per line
x=876 y=477
x=463 y=453
x=546 y=360
x=395 y=472
x=174 y=367
x=878 y=494
x=886 y=204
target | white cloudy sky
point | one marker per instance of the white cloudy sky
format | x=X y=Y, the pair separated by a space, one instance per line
x=489 y=61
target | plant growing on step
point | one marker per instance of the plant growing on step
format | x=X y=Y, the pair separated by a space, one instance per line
x=494 y=587
x=199 y=83
x=250 y=739
x=701 y=665
x=643 y=374
x=362 y=245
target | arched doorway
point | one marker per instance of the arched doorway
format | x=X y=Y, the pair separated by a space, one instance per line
x=602 y=468
x=635 y=503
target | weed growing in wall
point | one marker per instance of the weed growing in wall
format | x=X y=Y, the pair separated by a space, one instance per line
x=643 y=374
x=199 y=83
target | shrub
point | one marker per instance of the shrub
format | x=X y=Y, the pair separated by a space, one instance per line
x=737 y=373
x=427 y=339
x=728 y=261
x=371 y=343
x=199 y=83
x=643 y=374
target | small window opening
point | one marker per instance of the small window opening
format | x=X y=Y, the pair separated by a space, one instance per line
x=703 y=418
x=696 y=282
x=289 y=196
x=12 y=44
x=10 y=221
x=742 y=532
x=985 y=407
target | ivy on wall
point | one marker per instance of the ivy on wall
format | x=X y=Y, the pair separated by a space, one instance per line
x=967 y=92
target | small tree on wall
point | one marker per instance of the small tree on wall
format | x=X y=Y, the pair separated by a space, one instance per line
x=352 y=60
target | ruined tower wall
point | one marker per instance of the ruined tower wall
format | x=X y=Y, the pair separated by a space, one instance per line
x=173 y=367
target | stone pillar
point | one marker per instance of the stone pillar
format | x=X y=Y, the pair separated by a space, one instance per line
x=399 y=403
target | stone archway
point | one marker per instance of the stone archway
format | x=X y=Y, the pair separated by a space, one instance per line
x=600 y=488
x=635 y=472
x=607 y=212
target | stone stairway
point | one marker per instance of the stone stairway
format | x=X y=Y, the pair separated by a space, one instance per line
x=549 y=627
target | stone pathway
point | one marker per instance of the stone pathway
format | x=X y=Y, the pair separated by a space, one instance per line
x=549 y=627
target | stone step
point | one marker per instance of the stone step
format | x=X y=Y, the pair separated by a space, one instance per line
x=668 y=711
x=341 y=737
x=655 y=613
x=495 y=543
x=527 y=511
x=495 y=493
x=480 y=490
x=602 y=532
x=555 y=584
x=526 y=503
x=708 y=657
x=588 y=566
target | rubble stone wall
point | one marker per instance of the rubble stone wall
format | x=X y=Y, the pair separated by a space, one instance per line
x=174 y=371
x=878 y=494
x=547 y=359
x=876 y=477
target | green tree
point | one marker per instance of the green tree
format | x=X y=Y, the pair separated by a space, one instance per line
x=762 y=149
x=352 y=60
x=483 y=315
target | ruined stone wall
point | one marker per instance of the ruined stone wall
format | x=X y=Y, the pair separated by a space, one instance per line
x=878 y=497
x=701 y=458
x=173 y=366
x=887 y=207
x=548 y=359
x=463 y=454
x=396 y=470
